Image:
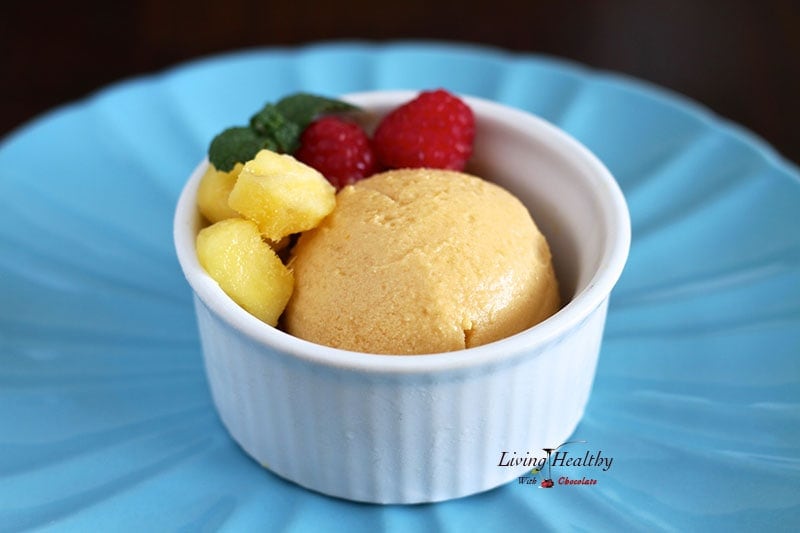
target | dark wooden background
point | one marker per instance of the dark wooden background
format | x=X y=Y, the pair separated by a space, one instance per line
x=741 y=58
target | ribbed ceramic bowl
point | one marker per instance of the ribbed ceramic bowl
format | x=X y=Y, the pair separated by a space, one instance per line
x=410 y=429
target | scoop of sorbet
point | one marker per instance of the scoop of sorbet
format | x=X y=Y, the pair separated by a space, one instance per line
x=421 y=261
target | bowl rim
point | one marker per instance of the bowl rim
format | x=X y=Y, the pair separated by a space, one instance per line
x=615 y=253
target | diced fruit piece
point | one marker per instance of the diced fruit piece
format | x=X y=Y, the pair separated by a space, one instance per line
x=246 y=268
x=282 y=195
x=338 y=148
x=435 y=130
x=213 y=191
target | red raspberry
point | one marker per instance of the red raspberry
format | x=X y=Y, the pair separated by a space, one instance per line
x=337 y=148
x=434 y=130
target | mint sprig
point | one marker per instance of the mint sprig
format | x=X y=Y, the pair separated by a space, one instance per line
x=302 y=108
x=235 y=145
x=275 y=127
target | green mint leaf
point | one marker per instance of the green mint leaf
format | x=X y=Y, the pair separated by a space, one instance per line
x=276 y=127
x=271 y=123
x=302 y=108
x=236 y=145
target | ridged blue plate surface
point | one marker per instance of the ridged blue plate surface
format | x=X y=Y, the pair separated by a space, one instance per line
x=106 y=422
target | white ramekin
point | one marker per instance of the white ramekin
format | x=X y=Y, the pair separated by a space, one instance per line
x=410 y=429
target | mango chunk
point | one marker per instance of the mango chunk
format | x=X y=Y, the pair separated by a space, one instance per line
x=281 y=195
x=246 y=268
x=213 y=191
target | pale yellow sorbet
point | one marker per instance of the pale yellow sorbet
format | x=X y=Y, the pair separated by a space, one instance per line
x=420 y=261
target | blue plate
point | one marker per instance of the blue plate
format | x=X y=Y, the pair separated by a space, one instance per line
x=107 y=422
